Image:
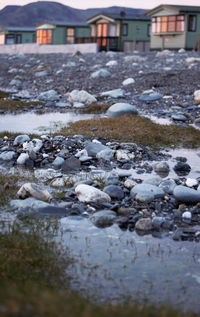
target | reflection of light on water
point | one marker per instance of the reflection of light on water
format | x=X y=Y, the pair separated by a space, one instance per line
x=32 y=122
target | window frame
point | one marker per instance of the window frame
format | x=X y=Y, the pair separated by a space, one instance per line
x=44 y=36
x=161 y=24
x=125 y=29
x=190 y=24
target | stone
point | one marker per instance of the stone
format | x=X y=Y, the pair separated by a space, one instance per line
x=187 y=215
x=111 y=63
x=190 y=182
x=197 y=97
x=28 y=203
x=186 y=195
x=128 y=81
x=168 y=186
x=114 y=191
x=182 y=168
x=50 y=95
x=16 y=82
x=57 y=163
x=35 y=145
x=58 y=182
x=21 y=139
x=89 y=194
x=144 y=197
x=147 y=189
x=151 y=97
x=161 y=167
x=144 y=224
x=42 y=73
x=191 y=60
x=46 y=174
x=106 y=155
x=157 y=222
x=22 y=158
x=81 y=96
x=103 y=218
x=7 y=155
x=115 y=93
x=79 y=105
x=179 y=117
x=53 y=211
x=101 y=73
x=129 y=183
x=33 y=190
x=93 y=148
x=71 y=164
x=134 y=59
x=153 y=180
x=119 y=109
x=124 y=155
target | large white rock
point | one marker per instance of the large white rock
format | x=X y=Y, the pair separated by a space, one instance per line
x=33 y=190
x=112 y=63
x=89 y=194
x=197 y=97
x=22 y=158
x=50 y=95
x=128 y=81
x=119 y=109
x=21 y=139
x=101 y=73
x=81 y=96
x=115 y=93
x=134 y=59
x=34 y=145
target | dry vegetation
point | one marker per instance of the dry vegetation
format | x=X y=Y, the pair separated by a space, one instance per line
x=130 y=128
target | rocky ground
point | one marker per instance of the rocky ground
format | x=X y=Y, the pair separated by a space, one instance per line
x=108 y=181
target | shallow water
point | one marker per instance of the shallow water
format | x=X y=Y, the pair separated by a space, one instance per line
x=111 y=264
x=34 y=123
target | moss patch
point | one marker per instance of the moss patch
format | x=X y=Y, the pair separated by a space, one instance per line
x=130 y=128
x=4 y=94
x=95 y=108
x=16 y=105
x=8 y=188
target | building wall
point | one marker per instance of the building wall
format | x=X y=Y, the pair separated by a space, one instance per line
x=83 y=31
x=168 y=41
x=191 y=37
x=137 y=31
x=28 y=37
x=59 y=35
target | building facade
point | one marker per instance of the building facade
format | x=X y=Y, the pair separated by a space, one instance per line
x=120 y=32
x=174 y=27
x=17 y=35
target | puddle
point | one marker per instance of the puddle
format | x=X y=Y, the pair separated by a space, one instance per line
x=115 y=265
x=43 y=123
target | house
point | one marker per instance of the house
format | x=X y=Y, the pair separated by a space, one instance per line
x=174 y=26
x=17 y=35
x=63 y=33
x=121 y=32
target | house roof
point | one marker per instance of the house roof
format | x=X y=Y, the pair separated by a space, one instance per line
x=117 y=16
x=178 y=8
x=63 y=23
x=18 y=28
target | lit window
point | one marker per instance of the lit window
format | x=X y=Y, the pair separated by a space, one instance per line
x=163 y=24
x=192 y=23
x=44 y=36
x=180 y=23
x=166 y=24
x=70 y=35
x=171 y=23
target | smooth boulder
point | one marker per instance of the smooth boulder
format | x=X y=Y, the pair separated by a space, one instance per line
x=119 y=109
x=89 y=194
x=186 y=195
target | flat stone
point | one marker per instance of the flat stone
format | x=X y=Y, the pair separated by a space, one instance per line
x=111 y=63
x=147 y=189
x=115 y=93
x=71 y=164
x=186 y=195
x=151 y=97
x=106 y=155
x=53 y=211
x=93 y=148
x=28 y=203
x=103 y=218
x=153 y=180
x=57 y=163
x=114 y=191
x=33 y=190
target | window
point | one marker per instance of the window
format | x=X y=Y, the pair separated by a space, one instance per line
x=149 y=30
x=112 y=30
x=44 y=36
x=137 y=30
x=70 y=35
x=164 y=24
x=192 y=23
x=13 y=38
x=2 y=39
x=125 y=29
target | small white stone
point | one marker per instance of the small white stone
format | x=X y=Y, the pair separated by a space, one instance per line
x=112 y=63
x=22 y=158
x=190 y=182
x=128 y=81
x=197 y=97
x=187 y=215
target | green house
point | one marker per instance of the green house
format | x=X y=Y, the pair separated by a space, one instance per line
x=63 y=33
x=17 y=35
x=175 y=26
x=121 y=32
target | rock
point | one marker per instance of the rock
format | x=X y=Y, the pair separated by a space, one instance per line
x=106 y=154
x=128 y=81
x=79 y=105
x=22 y=158
x=58 y=182
x=16 y=82
x=144 y=197
x=114 y=191
x=7 y=155
x=153 y=180
x=58 y=162
x=101 y=73
x=147 y=189
x=119 y=109
x=53 y=211
x=81 y=96
x=168 y=186
x=112 y=63
x=124 y=155
x=134 y=59
x=197 y=97
x=103 y=218
x=179 y=117
x=50 y=95
x=33 y=190
x=186 y=195
x=187 y=215
x=21 y=139
x=71 y=164
x=129 y=183
x=191 y=60
x=157 y=222
x=190 y=182
x=115 y=93
x=181 y=50
x=144 y=224
x=31 y=203
x=93 y=148
x=182 y=168
x=151 y=97
x=161 y=168
x=42 y=73
x=89 y=194
x=46 y=174
x=35 y=145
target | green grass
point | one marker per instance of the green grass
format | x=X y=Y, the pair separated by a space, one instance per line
x=33 y=281
x=4 y=94
x=130 y=128
x=16 y=105
x=95 y=108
